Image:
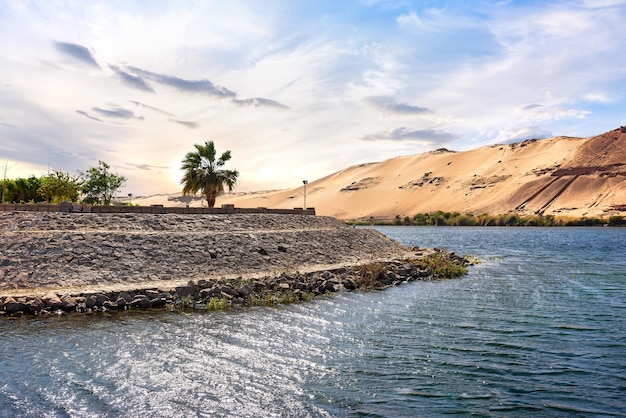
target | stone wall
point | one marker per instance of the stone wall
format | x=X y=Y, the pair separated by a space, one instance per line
x=67 y=207
x=72 y=253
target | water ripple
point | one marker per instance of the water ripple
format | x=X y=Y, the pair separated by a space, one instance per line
x=537 y=329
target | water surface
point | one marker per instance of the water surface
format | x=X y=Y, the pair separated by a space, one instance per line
x=537 y=329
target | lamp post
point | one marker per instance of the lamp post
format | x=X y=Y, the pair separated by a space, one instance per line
x=130 y=199
x=305 y=182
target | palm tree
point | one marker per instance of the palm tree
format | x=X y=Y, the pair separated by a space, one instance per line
x=205 y=174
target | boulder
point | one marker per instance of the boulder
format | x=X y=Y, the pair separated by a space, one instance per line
x=141 y=301
x=184 y=291
x=245 y=290
x=126 y=296
x=51 y=300
x=109 y=304
x=206 y=293
x=68 y=303
x=330 y=285
x=90 y=302
x=100 y=299
x=229 y=290
x=14 y=307
x=35 y=305
x=349 y=284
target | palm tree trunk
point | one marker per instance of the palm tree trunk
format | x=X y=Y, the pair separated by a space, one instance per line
x=211 y=196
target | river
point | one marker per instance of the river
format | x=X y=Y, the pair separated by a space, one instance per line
x=538 y=328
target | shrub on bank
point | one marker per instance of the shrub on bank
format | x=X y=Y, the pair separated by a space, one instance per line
x=443 y=266
x=441 y=218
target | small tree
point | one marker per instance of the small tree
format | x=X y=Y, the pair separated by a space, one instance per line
x=59 y=186
x=204 y=173
x=28 y=189
x=99 y=185
x=8 y=190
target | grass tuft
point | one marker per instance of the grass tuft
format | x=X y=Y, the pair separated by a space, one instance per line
x=442 y=266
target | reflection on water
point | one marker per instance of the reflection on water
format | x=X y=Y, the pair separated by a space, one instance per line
x=536 y=329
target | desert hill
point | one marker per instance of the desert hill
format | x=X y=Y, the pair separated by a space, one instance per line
x=561 y=176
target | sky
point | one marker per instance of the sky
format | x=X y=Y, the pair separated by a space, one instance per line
x=296 y=89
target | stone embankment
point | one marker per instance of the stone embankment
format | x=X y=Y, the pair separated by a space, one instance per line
x=54 y=262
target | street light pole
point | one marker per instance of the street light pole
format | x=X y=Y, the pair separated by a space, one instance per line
x=305 y=182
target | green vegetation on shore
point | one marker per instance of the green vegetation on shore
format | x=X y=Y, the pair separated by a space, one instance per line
x=295 y=288
x=96 y=186
x=441 y=218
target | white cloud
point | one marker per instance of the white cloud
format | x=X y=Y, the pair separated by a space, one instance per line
x=293 y=88
x=597 y=97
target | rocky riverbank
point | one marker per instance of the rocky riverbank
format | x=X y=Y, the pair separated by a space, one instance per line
x=53 y=262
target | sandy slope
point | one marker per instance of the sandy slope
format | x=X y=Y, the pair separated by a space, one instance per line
x=561 y=176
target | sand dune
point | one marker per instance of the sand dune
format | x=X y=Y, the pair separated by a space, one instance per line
x=561 y=176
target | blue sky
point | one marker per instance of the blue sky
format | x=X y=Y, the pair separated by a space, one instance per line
x=297 y=89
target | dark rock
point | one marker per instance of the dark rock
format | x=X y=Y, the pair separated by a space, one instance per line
x=15 y=307
x=110 y=305
x=100 y=299
x=203 y=284
x=158 y=302
x=68 y=303
x=35 y=305
x=424 y=273
x=91 y=302
x=349 y=284
x=261 y=251
x=282 y=248
x=141 y=302
x=120 y=302
x=330 y=286
x=126 y=296
x=226 y=289
x=226 y=295
x=11 y=306
x=184 y=291
x=245 y=290
x=388 y=278
x=298 y=285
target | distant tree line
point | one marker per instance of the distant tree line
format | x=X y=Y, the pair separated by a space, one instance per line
x=96 y=186
x=441 y=218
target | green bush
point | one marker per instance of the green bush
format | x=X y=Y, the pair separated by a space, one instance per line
x=442 y=266
x=217 y=304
